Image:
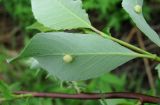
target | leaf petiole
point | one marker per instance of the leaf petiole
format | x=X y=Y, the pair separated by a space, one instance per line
x=143 y=53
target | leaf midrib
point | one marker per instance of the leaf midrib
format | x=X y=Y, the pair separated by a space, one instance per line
x=90 y=54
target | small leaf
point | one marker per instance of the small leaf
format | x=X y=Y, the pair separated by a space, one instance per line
x=60 y=14
x=4 y=89
x=92 y=55
x=134 y=9
x=119 y=102
x=33 y=63
x=40 y=27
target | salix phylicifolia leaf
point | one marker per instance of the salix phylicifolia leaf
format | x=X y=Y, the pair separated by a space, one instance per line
x=60 y=14
x=72 y=56
x=134 y=9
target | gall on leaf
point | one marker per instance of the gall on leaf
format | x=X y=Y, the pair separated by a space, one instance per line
x=67 y=58
x=138 y=9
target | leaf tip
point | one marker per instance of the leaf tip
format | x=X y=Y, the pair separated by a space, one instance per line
x=10 y=60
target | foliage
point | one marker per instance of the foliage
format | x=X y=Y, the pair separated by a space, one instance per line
x=107 y=11
x=24 y=78
x=94 y=52
x=93 y=58
x=19 y=10
x=44 y=47
x=40 y=83
x=75 y=17
x=4 y=89
x=137 y=17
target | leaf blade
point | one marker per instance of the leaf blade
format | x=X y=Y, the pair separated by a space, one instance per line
x=60 y=14
x=92 y=55
x=139 y=20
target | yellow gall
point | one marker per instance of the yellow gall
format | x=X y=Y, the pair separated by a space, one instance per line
x=138 y=9
x=67 y=58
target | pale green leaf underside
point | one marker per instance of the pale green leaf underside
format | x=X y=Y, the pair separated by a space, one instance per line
x=139 y=20
x=93 y=55
x=60 y=14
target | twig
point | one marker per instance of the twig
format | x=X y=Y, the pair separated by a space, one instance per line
x=5 y=38
x=146 y=63
x=144 y=53
x=131 y=34
x=94 y=96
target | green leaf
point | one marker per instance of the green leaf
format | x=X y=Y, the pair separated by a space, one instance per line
x=40 y=27
x=92 y=55
x=119 y=102
x=139 y=20
x=4 y=89
x=60 y=14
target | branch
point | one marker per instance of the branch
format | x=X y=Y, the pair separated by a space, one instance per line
x=146 y=63
x=94 y=96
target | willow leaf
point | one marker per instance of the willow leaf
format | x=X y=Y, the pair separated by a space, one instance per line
x=92 y=55
x=60 y=14
x=138 y=18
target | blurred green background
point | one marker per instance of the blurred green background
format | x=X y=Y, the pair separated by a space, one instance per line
x=106 y=15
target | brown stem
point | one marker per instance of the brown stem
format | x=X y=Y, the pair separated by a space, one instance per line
x=146 y=63
x=93 y=96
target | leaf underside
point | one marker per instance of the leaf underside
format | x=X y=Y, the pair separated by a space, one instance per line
x=92 y=55
x=60 y=14
x=139 y=20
